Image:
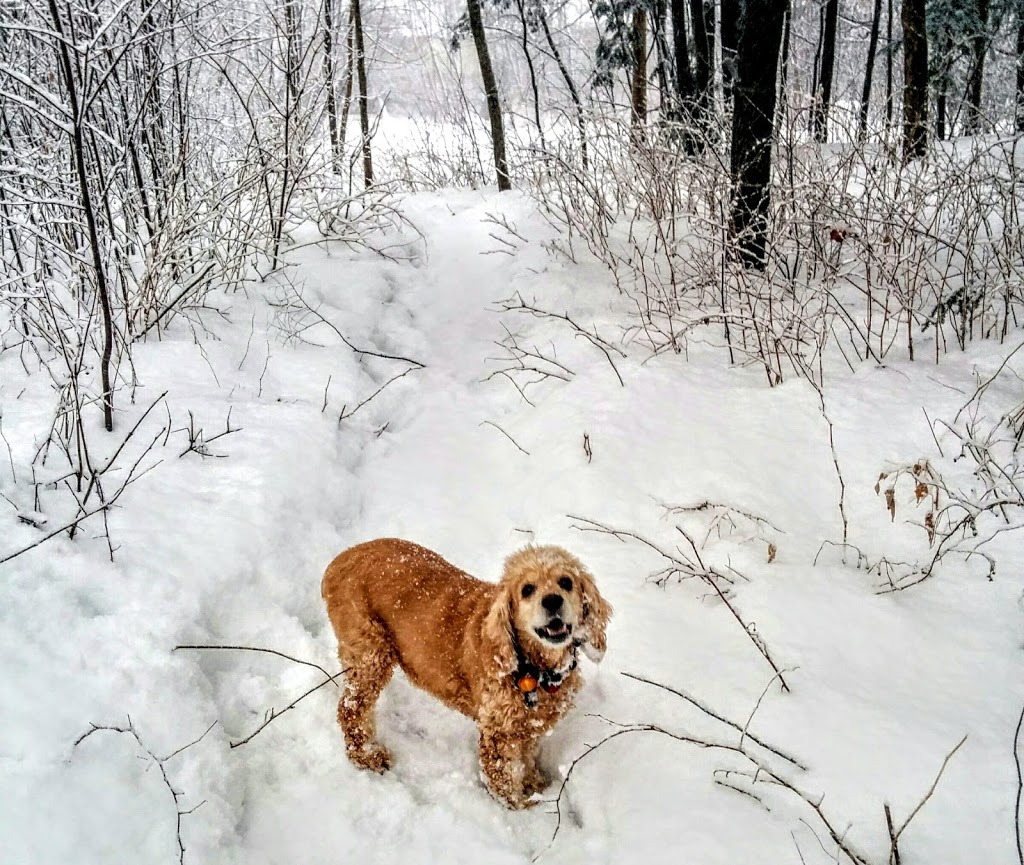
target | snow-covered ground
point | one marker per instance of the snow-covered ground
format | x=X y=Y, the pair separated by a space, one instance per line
x=230 y=551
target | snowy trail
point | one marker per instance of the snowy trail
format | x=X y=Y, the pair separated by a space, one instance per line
x=230 y=551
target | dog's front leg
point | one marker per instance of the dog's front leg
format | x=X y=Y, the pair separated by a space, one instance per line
x=503 y=764
x=534 y=781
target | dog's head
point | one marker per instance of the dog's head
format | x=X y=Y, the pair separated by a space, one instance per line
x=548 y=601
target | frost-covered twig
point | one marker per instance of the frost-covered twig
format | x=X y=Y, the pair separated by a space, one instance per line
x=517 y=304
x=199 y=647
x=763 y=774
x=160 y=763
x=682 y=565
x=271 y=714
x=896 y=835
x=742 y=730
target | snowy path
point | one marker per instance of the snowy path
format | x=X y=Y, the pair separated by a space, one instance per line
x=231 y=550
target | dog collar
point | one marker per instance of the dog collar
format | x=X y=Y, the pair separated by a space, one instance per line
x=529 y=679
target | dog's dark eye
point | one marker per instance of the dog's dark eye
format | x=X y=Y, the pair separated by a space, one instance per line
x=566 y=584
x=529 y=589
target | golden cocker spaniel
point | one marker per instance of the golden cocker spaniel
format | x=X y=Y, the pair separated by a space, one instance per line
x=503 y=653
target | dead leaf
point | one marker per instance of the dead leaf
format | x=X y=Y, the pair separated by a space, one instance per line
x=890 y=501
x=772 y=550
x=921 y=490
x=929 y=524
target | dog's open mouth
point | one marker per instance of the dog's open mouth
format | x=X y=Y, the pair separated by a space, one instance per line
x=555 y=631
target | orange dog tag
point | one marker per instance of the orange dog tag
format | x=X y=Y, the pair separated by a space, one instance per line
x=527 y=684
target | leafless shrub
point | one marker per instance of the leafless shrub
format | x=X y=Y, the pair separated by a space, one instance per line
x=864 y=254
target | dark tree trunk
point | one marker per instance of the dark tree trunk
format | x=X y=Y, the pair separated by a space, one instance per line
x=525 y=24
x=823 y=98
x=942 y=82
x=888 y=69
x=760 y=37
x=703 y=54
x=331 y=90
x=664 y=58
x=784 y=65
x=1020 y=68
x=979 y=48
x=364 y=108
x=730 y=15
x=476 y=25
x=869 y=68
x=915 y=79
x=686 y=94
x=638 y=85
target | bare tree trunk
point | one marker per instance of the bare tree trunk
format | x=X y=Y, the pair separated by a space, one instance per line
x=350 y=72
x=754 y=93
x=661 y=57
x=686 y=111
x=1020 y=68
x=521 y=6
x=869 y=68
x=979 y=48
x=823 y=98
x=581 y=120
x=476 y=25
x=79 y=147
x=364 y=108
x=638 y=87
x=915 y=79
x=703 y=56
x=729 y=10
x=331 y=94
x=888 y=69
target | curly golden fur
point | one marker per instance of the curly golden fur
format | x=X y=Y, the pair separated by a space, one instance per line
x=392 y=602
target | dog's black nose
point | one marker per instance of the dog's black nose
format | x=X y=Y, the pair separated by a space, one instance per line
x=552 y=603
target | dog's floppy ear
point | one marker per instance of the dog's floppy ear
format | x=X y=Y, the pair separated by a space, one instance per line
x=498 y=640
x=596 y=613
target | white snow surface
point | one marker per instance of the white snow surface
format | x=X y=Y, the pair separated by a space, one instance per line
x=231 y=550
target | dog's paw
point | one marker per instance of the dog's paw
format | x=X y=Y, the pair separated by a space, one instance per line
x=536 y=782
x=372 y=756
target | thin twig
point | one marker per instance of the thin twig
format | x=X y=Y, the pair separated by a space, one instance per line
x=258 y=649
x=499 y=429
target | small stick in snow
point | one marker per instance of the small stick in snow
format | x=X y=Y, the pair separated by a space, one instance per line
x=713 y=714
x=160 y=764
x=1020 y=787
x=499 y=429
x=258 y=649
x=896 y=837
x=273 y=714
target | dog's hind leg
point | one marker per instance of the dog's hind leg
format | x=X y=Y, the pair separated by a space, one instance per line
x=369 y=662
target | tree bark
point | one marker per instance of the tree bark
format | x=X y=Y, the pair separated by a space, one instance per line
x=476 y=25
x=760 y=36
x=331 y=93
x=729 y=10
x=1020 y=67
x=686 y=111
x=823 y=98
x=703 y=55
x=99 y=267
x=869 y=68
x=979 y=48
x=915 y=79
x=364 y=108
x=888 y=69
x=638 y=85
